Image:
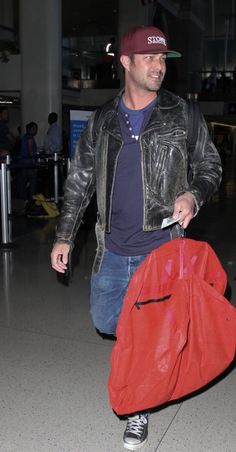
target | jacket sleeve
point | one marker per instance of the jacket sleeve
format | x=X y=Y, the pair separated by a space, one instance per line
x=204 y=162
x=79 y=186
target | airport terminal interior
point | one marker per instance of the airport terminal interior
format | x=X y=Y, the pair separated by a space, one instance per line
x=54 y=366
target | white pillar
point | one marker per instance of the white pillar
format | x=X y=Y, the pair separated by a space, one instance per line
x=41 y=71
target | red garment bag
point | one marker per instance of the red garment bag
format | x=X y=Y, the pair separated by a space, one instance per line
x=176 y=331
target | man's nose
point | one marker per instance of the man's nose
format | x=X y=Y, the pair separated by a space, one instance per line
x=157 y=64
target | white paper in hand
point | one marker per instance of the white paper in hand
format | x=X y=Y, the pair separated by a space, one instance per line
x=168 y=222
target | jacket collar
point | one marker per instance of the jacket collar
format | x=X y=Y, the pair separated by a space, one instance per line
x=166 y=100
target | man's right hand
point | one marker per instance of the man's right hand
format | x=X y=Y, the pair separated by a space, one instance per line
x=59 y=257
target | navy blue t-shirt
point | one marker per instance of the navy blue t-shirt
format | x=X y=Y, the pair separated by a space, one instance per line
x=127 y=236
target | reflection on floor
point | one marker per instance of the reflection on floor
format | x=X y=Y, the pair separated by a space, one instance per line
x=54 y=367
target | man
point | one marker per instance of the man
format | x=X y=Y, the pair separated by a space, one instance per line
x=52 y=142
x=134 y=153
x=6 y=137
x=52 y=145
x=27 y=176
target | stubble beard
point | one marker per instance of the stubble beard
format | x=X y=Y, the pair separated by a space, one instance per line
x=155 y=84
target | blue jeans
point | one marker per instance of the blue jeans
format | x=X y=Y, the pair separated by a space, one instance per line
x=108 y=288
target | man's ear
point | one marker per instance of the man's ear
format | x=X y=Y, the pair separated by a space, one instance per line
x=125 y=61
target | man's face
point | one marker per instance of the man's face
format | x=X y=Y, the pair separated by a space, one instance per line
x=146 y=71
x=33 y=130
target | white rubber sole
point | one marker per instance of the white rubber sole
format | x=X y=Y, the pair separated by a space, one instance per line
x=134 y=446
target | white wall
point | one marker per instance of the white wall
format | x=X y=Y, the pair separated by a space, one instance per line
x=88 y=97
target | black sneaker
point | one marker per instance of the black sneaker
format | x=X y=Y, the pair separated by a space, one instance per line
x=136 y=432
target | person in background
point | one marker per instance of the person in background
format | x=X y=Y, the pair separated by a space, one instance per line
x=52 y=145
x=53 y=139
x=134 y=153
x=27 y=174
x=213 y=80
x=7 y=139
x=16 y=151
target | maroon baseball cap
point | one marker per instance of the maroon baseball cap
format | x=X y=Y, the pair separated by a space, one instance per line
x=143 y=39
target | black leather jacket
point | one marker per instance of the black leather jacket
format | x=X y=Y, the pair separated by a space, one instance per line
x=166 y=158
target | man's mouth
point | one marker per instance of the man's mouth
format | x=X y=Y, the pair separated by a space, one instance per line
x=156 y=76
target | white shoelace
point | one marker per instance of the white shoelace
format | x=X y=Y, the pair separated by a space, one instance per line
x=135 y=424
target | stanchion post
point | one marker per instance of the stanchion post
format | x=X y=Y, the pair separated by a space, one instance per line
x=68 y=166
x=9 y=205
x=56 y=196
x=4 y=208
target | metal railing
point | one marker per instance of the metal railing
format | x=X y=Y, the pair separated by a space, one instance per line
x=6 y=195
x=6 y=205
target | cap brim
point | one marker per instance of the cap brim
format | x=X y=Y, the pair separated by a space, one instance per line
x=173 y=54
x=169 y=53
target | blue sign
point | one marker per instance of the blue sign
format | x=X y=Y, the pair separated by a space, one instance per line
x=78 y=120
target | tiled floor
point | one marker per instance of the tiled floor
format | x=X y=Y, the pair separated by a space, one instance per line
x=54 y=367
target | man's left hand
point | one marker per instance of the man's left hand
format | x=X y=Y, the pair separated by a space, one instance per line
x=184 y=209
